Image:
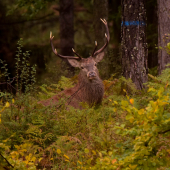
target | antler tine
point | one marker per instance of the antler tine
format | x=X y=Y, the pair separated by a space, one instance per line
x=107 y=35
x=59 y=55
x=94 y=48
x=76 y=54
x=104 y=21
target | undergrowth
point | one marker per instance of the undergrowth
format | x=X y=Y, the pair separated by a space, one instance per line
x=130 y=130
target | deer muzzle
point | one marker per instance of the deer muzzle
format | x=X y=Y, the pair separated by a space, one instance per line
x=91 y=75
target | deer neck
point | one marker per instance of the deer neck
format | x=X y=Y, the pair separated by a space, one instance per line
x=90 y=91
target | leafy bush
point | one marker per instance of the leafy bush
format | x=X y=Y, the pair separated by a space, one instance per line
x=130 y=130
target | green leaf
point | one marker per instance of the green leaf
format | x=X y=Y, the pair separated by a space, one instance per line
x=86 y=150
x=124 y=103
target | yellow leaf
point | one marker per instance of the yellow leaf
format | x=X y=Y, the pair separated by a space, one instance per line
x=110 y=153
x=124 y=90
x=131 y=101
x=94 y=153
x=132 y=166
x=124 y=103
x=66 y=156
x=168 y=150
x=40 y=159
x=13 y=100
x=100 y=154
x=131 y=120
x=167 y=85
x=141 y=111
x=115 y=102
x=58 y=151
x=67 y=160
x=79 y=162
x=86 y=150
x=151 y=89
x=2 y=109
x=114 y=109
x=33 y=159
x=150 y=117
x=7 y=104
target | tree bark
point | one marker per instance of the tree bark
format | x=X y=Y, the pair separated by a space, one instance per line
x=67 y=32
x=134 y=46
x=163 y=30
x=100 y=11
x=152 y=33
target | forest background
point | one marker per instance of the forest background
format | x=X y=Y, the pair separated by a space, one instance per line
x=131 y=128
x=33 y=23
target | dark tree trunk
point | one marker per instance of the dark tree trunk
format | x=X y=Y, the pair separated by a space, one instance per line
x=152 y=32
x=134 y=46
x=114 y=57
x=9 y=36
x=114 y=7
x=67 y=32
x=100 y=11
x=163 y=30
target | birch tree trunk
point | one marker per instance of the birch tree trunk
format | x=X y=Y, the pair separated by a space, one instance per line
x=163 y=31
x=134 y=46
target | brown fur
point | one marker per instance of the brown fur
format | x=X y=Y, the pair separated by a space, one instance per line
x=89 y=89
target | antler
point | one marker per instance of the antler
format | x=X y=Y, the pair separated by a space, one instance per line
x=94 y=48
x=76 y=54
x=107 y=35
x=61 y=56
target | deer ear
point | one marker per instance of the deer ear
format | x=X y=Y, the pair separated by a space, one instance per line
x=74 y=62
x=99 y=57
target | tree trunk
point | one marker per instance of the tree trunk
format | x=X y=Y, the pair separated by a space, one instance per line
x=163 y=30
x=114 y=57
x=100 y=10
x=67 y=32
x=134 y=46
x=152 y=33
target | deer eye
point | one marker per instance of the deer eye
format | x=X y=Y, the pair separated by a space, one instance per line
x=82 y=67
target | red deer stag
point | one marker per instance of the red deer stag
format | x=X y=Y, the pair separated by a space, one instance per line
x=90 y=87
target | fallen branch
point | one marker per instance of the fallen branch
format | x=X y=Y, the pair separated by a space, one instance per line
x=6 y=160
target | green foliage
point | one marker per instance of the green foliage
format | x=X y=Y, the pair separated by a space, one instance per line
x=130 y=130
x=5 y=70
x=153 y=71
x=25 y=74
x=145 y=143
x=29 y=8
x=119 y=134
x=168 y=48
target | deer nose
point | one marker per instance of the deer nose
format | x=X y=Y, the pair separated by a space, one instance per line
x=91 y=74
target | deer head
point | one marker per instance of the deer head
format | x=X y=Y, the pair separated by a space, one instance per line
x=88 y=65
